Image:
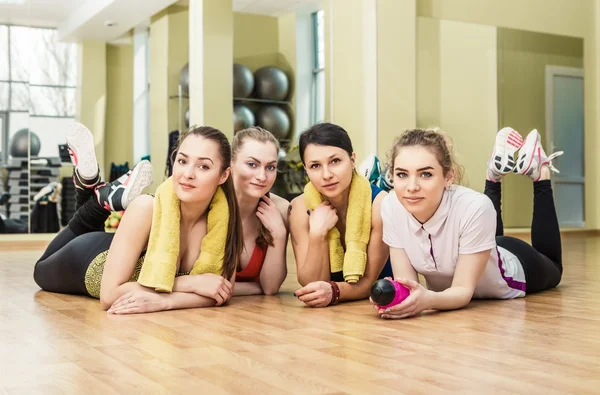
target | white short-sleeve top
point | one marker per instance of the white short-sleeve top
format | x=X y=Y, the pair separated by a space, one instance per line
x=464 y=223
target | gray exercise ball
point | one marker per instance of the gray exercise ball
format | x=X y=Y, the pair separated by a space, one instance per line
x=184 y=79
x=20 y=141
x=243 y=118
x=271 y=83
x=187 y=118
x=243 y=81
x=275 y=120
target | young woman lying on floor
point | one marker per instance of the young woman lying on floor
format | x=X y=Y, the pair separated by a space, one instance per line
x=453 y=235
x=192 y=226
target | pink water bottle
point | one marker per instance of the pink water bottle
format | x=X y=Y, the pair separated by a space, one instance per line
x=387 y=293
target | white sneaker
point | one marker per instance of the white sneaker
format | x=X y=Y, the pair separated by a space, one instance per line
x=370 y=168
x=83 y=155
x=532 y=157
x=116 y=195
x=502 y=162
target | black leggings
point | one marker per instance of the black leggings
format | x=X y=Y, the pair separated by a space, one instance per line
x=63 y=265
x=542 y=260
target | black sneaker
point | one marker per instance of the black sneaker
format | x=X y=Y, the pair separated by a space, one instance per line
x=86 y=173
x=116 y=195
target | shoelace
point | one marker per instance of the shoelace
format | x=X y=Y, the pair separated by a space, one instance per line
x=548 y=161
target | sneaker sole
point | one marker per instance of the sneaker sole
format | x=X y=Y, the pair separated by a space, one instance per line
x=140 y=178
x=81 y=140
x=508 y=142
x=528 y=149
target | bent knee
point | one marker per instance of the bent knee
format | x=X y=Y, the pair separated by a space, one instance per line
x=38 y=277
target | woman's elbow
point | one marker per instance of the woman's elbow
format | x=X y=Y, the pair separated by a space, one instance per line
x=464 y=298
x=105 y=303
x=270 y=290
x=106 y=300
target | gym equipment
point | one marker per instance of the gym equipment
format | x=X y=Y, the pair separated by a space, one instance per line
x=184 y=79
x=243 y=81
x=20 y=141
x=387 y=293
x=243 y=118
x=275 y=120
x=271 y=83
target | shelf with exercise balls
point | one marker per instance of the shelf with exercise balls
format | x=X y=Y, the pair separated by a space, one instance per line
x=262 y=99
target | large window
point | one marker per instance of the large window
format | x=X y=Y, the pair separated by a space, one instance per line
x=318 y=85
x=37 y=86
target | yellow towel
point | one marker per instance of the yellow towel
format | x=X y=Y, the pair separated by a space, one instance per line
x=358 y=229
x=160 y=263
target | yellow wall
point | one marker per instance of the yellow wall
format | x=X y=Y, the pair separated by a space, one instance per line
x=546 y=16
x=91 y=92
x=254 y=35
x=351 y=71
x=522 y=60
x=457 y=89
x=561 y=17
x=428 y=75
x=396 y=68
x=119 y=106
x=218 y=74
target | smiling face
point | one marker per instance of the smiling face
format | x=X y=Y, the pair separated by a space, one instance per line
x=329 y=168
x=198 y=169
x=254 y=168
x=419 y=181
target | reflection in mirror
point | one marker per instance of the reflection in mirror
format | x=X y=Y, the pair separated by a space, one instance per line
x=37 y=105
x=52 y=80
x=15 y=107
x=475 y=79
x=529 y=66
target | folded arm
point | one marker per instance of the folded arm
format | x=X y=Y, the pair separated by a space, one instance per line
x=311 y=250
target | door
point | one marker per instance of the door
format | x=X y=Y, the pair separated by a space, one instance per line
x=564 y=123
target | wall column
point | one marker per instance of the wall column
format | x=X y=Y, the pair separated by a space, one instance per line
x=211 y=64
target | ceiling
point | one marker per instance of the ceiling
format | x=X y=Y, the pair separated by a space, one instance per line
x=42 y=13
x=86 y=19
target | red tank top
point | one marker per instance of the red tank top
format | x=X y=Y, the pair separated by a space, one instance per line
x=252 y=271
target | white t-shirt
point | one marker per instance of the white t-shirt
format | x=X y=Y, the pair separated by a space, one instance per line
x=464 y=223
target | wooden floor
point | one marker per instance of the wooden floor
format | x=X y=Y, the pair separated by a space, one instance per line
x=547 y=343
